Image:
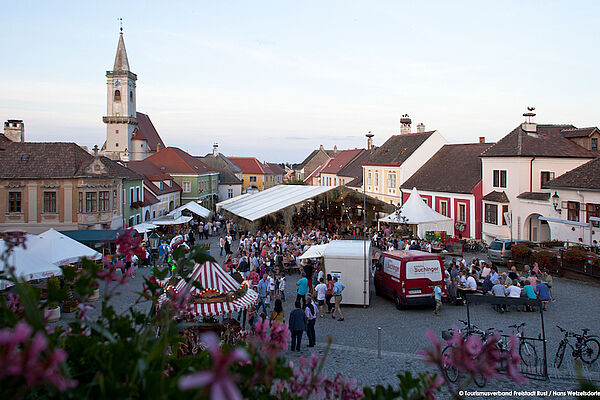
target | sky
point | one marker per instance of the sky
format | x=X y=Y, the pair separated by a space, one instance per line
x=276 y=79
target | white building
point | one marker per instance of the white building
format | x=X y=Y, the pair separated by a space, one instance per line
x=130 y=135
x=398 y=159
x=514 y=172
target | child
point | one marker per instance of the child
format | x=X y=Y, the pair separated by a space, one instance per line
x=282 y=284
x=267 y=305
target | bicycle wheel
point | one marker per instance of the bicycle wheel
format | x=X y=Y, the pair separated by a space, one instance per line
x=560 y=354
x=590 y=351
x=450 y=371
x=528 y=354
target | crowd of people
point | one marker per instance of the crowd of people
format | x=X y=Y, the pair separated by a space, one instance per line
x=478 y=276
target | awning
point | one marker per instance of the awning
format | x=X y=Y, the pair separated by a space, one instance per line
x=191 y=206
x=166 y=220
x=315 y=251
x=93 y=235
x=261 y=204
x=144 y=227
x=565 y=221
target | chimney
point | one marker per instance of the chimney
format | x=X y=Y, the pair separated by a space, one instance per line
x=405 y=122
x=95 y=148
x=215 y=149
x=335 y=150
x=14 y=129
x=158 y=146
x=369 y=141
x=529 y=126
x=321 y=148
x=482 y=139
x=421 y=128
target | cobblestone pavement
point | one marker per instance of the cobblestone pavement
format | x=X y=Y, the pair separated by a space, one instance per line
x=354 y=348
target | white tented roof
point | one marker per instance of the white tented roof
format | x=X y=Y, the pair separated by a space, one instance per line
x=193 y=207
x=256 y=206
x=27 y=264
x=59 y=249
x=347 y=249
x=416 y=211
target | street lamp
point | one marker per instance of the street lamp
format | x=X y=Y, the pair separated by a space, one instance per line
x=555 y=198
x=154 y=239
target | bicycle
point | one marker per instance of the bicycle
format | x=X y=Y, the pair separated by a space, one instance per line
x=527 y=351
x=587 y=348
x=451 y=372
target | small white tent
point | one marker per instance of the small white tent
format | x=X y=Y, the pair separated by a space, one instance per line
x=27 y=265
x=190 y=206
x=315 y=251
x=418 y=213
x=59 y=249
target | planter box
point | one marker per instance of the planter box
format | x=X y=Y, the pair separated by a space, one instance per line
x=52 y=314
x=94 y=296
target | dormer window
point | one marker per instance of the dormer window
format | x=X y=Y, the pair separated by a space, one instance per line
x=117 y=95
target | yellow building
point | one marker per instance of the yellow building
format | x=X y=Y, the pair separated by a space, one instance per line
x=254 y=174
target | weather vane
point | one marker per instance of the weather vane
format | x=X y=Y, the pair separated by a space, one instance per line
x=120 y=24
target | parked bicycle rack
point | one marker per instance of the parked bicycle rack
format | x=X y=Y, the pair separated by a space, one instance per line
x=534 y=367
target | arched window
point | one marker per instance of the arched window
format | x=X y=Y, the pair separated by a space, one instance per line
x=131 y=95
x=117 y=95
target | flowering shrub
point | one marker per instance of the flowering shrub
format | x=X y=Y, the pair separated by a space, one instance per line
x=521 y=251
x=575 y=255
x=545 y=259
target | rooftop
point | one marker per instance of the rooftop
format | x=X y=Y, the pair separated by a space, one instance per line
x=455 y=168
x=586 y=176
x=176 y=161
x=398 y=148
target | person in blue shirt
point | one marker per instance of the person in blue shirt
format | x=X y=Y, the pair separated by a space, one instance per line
x=338 y=287
x=543 y=293
x=302 y=290
x=437 y=294
x=263 y=292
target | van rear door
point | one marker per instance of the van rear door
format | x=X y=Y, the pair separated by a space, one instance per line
x=421 y=275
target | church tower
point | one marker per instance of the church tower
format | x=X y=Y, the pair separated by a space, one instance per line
x=121 y=122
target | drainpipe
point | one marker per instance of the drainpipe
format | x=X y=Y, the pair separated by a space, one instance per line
x=531 y=174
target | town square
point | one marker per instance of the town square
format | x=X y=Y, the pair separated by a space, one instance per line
x=340 y=200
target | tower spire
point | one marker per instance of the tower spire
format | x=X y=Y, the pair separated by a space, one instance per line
x=121 y=61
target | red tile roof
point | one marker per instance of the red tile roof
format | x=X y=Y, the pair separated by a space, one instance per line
x=146 y=130
x=398 y=148
x=579 y=132
x=340 y=161
x=586 y=176
x=149 y=198
x=354 y=168
x=547 y=141
x=455 y=168
x=276 y=169
x=176 y=161
x=151 y=172
x=248 y=165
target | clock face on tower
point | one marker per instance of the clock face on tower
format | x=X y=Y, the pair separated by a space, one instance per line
x=117 y=83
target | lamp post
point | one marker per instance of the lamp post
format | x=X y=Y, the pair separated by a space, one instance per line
x=555 y=199
x=154 y=239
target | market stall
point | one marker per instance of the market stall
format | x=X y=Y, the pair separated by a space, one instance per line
x=315 y=251
x=27 y=265
x=416 y=213
x=171 y=220
x=193 y=207
x=220 y=293
x=59 y=249
x=350 y=262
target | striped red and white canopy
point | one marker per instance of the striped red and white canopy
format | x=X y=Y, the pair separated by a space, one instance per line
x=211 y=276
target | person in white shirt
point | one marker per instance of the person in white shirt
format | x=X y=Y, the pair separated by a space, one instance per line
x=320 y=290
x=471 y=282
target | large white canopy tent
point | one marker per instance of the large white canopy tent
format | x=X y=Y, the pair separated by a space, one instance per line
x=191 y=206
x=27 y=265
x=418 y=213
x=144 y=227
x=255 y=206
x=59 y=249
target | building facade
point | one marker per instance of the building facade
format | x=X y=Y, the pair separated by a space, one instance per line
x=514 y=171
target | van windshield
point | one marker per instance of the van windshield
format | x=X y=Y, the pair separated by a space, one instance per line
x=496 y=246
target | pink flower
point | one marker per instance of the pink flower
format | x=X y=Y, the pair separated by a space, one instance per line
x=14 y=239
x=261 y=330
x=280 y=335
x=31 y=360
x=219 y=379
x=433 y=385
